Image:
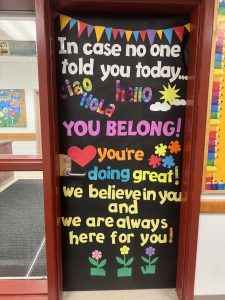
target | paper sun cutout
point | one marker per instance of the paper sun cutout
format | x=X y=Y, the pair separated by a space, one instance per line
x=169 y=94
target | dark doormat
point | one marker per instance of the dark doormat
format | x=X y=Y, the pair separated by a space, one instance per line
x=22 y=228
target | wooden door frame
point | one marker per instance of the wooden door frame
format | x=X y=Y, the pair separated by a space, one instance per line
x=37 y=122
x=39 y=289
x=201 y=13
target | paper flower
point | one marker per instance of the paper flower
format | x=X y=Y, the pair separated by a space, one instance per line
x=160 y=149
x=150 y=267
x=154 y=161
x=126 y=269
x=168 y=161
x=97 y=268
x=174 y=147
x=150 y=251
x=96 y=254
x=124 y=250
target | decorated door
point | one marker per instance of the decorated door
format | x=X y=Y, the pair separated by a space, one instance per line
x=121 y=102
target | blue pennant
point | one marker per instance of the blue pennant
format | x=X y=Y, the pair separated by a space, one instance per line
x=72 y=23
x=108 y=31
x=136 y=35
x=168 y=33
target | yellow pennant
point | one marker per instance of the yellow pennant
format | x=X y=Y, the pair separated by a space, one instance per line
x=64 y=20
x=99 y=31
x=159 y=33
x=128 y=34
x=188 y=27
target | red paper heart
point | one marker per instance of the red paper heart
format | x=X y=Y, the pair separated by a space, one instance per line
x=82 y=156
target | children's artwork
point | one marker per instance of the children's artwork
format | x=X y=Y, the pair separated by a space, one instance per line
x=12 y=108
x=4 y=48
x=215 y=153
x=121 y=102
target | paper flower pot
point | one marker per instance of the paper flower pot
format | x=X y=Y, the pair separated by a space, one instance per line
x=150 y=269
x=124 y=272
x=97 y=272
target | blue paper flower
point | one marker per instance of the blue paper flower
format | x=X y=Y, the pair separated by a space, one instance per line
x=168 y=161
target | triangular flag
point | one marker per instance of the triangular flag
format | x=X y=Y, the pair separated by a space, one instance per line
x=180 y=32
x=89 y=29
x=115 y=33
x=168 y=33
x=72 y=23
x=159 y=33
x=99 y=31
x=121 y=31
x=143 y=34
x=81 y=27
x=151 y=35
x=55 y=14
x=188 y=27
x=64 y=20
x=136 y=34
x=108 y=32
x=128 y=34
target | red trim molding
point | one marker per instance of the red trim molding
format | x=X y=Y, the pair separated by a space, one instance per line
x=23 y=287
x=24 y=297
x=21 y=163
x=44 y=20
x=195 y=125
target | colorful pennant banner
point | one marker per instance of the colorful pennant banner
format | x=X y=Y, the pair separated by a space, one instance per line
x=114 y=33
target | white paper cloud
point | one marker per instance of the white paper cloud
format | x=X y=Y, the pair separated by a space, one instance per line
x=179 y=102
x=159 y=106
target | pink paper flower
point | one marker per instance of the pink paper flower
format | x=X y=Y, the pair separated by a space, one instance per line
x=96 y=254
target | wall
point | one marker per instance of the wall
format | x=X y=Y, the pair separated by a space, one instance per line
x=21 y=73
x=210 y=266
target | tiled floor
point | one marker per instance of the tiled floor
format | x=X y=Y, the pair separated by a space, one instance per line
x=162 y=294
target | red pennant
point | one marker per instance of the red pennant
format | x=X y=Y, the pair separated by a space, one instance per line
x=143 y=34
x=81 y=27
x=179 y=31
x=115 y=33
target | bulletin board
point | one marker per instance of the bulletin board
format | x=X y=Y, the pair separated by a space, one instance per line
x=214 y=174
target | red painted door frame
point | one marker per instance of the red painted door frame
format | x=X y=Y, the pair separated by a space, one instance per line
x=50 y=288
x=195 y=126
x=201 y=13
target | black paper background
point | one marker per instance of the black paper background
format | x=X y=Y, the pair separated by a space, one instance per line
x=75 y=258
